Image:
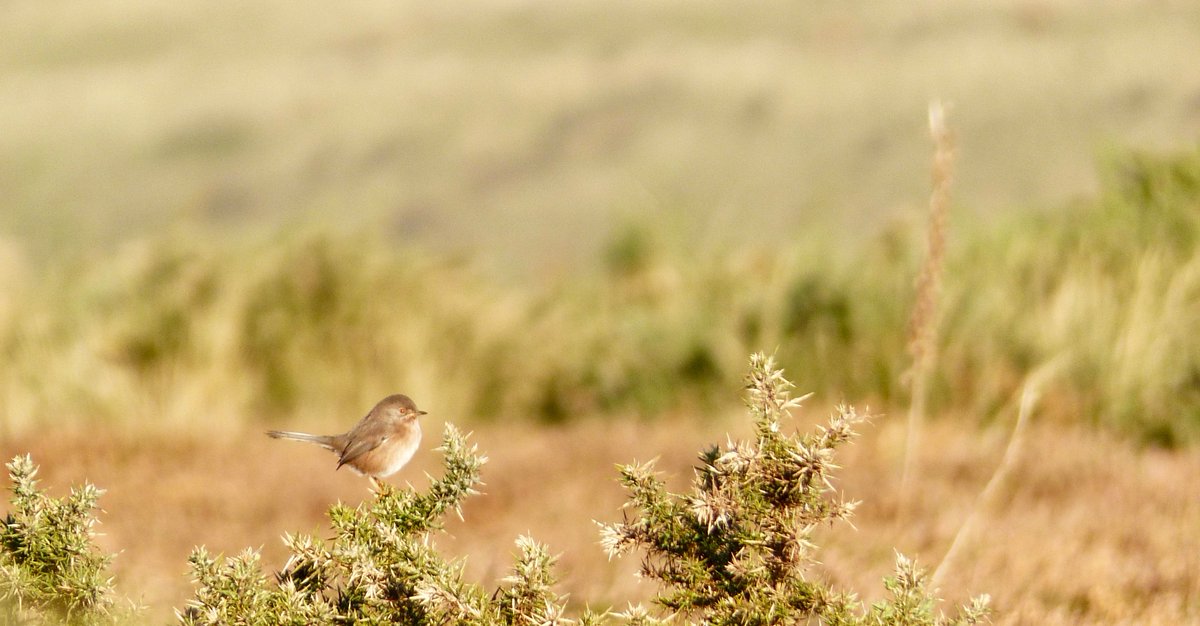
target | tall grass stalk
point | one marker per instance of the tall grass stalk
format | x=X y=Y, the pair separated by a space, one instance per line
x=923 y=324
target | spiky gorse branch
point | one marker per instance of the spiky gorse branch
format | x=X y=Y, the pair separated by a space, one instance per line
x=529 y=598
x=381 y=567
x=734 y=550
x=50 y=569
x=913 y=603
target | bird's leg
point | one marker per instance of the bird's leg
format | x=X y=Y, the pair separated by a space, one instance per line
x=375 y=483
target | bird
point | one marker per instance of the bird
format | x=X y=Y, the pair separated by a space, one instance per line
x=379 y=445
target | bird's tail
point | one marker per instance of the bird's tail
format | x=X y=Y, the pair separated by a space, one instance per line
x=325 y=441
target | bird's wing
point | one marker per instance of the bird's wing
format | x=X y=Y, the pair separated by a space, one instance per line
x=362 y=439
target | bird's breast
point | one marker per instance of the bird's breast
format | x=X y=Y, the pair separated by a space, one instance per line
x=392 y=454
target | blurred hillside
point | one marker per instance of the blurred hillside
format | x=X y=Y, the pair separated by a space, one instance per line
x=518 y=130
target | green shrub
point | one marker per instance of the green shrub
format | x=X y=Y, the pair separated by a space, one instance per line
x=50 y=570
x=735 y=549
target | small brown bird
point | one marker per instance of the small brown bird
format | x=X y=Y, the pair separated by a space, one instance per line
x=378 y=445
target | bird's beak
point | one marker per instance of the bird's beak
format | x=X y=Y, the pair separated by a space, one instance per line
x=422 y=413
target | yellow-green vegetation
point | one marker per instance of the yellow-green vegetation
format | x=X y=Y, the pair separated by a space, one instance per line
x=177 y=330
x=1112 y=285
x=50 y=569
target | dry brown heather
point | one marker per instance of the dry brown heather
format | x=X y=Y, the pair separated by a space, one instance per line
x=1087 y=528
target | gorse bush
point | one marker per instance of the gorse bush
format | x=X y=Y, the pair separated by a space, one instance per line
x=50 y=570
x=379 y=568
x=734 y=551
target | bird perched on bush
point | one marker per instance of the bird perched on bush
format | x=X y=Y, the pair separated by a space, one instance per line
x=379 y=445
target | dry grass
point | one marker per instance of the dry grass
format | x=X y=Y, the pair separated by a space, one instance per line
x=1086 y=529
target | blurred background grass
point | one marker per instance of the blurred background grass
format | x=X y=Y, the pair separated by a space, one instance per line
x=221 y=212
x=172 y=331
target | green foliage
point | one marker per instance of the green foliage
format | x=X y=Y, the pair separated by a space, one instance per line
x=50 y=570
x=379 y=568
x=912 y=604
x=735 y=549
